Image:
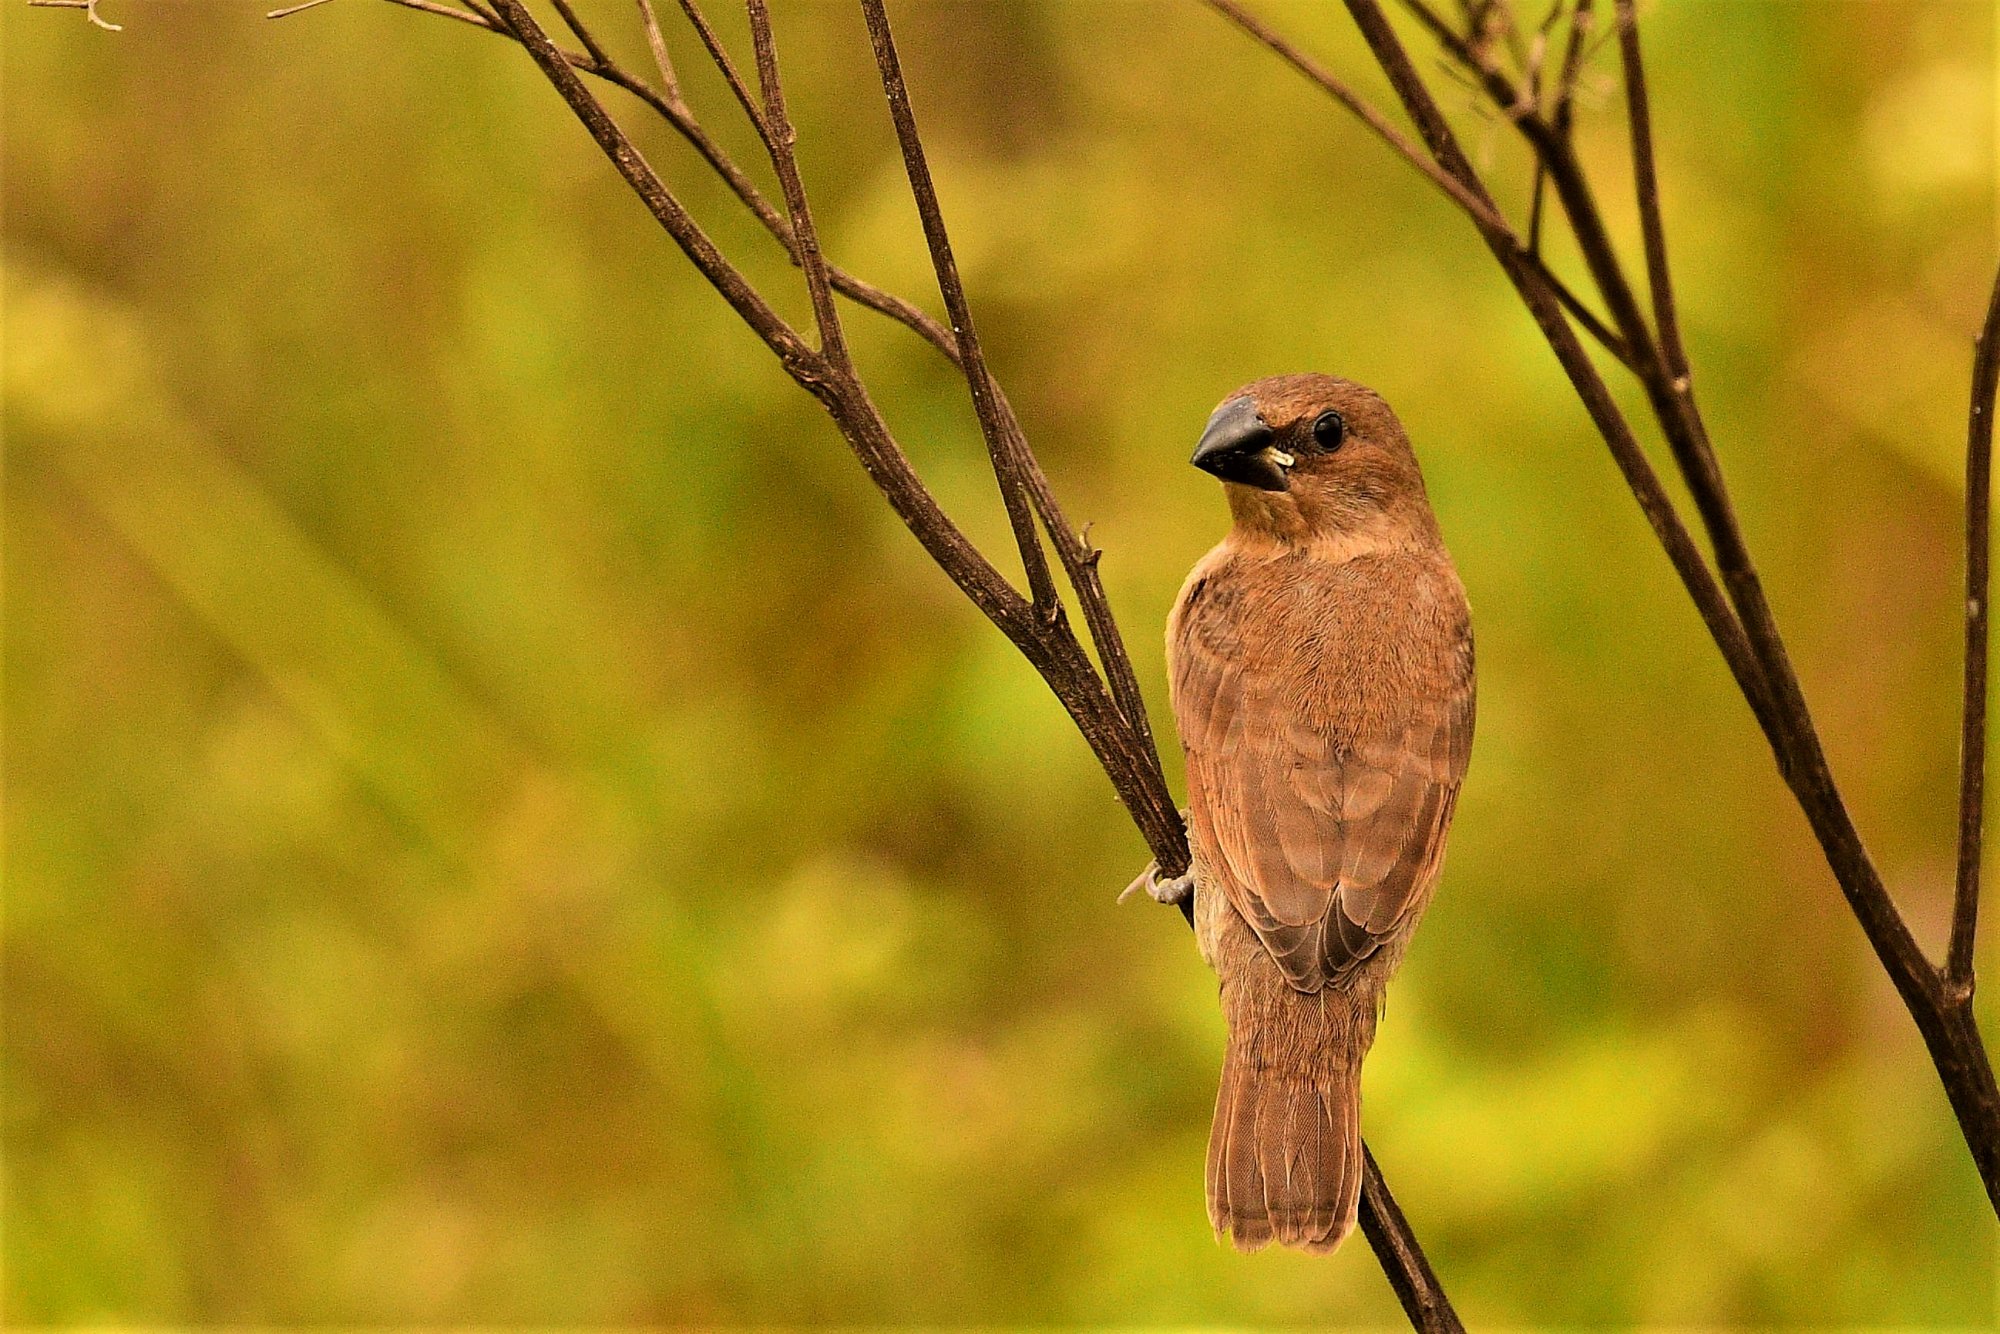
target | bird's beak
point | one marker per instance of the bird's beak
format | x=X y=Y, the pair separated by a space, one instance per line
x=1236 y=446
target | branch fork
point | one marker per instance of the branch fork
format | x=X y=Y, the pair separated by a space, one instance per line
x=1723 y=583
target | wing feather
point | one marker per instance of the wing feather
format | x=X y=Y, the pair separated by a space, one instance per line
x=1323 y=816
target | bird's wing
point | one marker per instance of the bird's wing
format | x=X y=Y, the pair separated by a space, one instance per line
x=1322 y=847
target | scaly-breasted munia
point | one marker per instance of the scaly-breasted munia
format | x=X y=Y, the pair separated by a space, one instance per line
x=1321 y=664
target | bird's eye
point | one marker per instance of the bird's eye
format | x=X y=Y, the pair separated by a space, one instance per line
x=1329 y=431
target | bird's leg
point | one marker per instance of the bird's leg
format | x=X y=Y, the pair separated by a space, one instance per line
x=1173 y=892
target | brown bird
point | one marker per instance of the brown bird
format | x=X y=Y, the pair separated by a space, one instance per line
x=1321 y=661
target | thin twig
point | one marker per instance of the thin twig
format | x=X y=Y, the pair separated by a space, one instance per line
x=1002 y=444
x=656 y=41
x=1563 y=116
x=89 y=8
x=477 y=20
x=598 y=60
x=1536 y=196
x=1958 y=974
x=784 y=157
x=1638 y=108
x=719 y=53
x=1482 y=210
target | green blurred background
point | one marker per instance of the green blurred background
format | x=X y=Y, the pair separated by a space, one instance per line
x=503 y=826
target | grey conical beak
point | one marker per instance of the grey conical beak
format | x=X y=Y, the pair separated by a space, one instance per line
x=1235 y=446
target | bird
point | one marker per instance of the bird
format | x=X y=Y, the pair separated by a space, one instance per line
x=1321 y=668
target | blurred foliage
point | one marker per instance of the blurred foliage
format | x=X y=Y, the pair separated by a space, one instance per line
x=504 y=826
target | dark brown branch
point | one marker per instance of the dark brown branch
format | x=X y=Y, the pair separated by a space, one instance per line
x=1480 y=208
x=996 y=414
x=1562 y=116
x=1004 y=445
x=1409 y=1269
x=1950 y=1034
x=1949 y=1030
x=1112 y=721
x=1958 y=976
x=1667 y=385
x=778 y=133
x=1742 y=625
x=598 y=60
x=719 y=54
x=1132 y=765
x=879 y=456
x=1161 y=821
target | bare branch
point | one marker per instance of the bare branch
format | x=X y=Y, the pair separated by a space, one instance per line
x=1132 y=765
x=783 y=139
x=598 y=60
x=656 y=41
x=1742 y=625
x=443 y=11
x=1002 y=444
x=1408 y=1268
x=1958 y=977
x=1563 y=114
x=1638 y=108
x=719 y=53
x=1481 y=209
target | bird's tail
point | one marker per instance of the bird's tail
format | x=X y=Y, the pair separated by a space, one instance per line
x=1284 y=1155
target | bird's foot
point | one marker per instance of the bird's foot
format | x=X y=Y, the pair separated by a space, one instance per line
x=1173 y=892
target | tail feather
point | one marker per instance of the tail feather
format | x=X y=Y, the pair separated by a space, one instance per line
x=1284 y=1157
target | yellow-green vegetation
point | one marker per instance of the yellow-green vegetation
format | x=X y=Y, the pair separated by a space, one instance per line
x=504 y=826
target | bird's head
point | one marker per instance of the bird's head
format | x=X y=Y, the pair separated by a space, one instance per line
x=1305 y=456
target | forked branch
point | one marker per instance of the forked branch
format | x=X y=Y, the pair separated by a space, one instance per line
x=1106 y=707
x=1741 y=622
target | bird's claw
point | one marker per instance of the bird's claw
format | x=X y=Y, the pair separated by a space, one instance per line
x=1172 y=892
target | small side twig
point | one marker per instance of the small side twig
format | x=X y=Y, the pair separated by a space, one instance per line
x=784 y=157
x=719 y=54
x=1958 y=971
x=1563 y=115
x=656 y=42
x=1003 y=444
x=1646 y=181
x=598 y=59
x=89 y=8
x=1477 y=205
